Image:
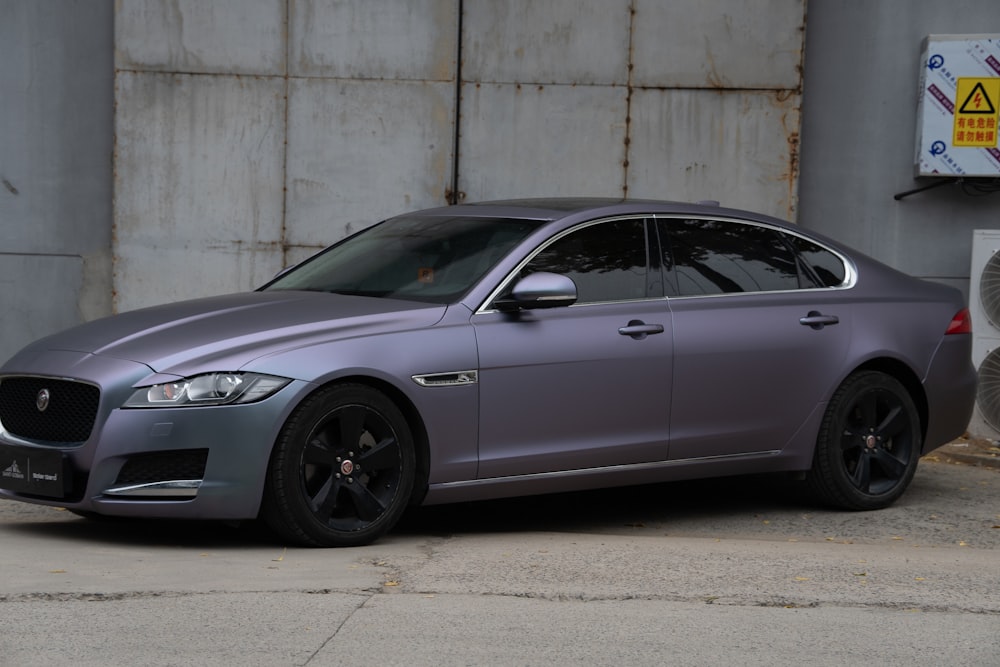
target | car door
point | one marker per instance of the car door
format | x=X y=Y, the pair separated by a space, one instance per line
x=582 y=386
x=760 y=335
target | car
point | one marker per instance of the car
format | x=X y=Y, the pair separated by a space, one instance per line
x=498 y=349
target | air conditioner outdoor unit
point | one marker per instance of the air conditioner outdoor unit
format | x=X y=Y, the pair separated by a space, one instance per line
x=984 y=306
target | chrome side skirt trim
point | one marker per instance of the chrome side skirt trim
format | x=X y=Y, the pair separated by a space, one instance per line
x=579 y=472
x=176 y=488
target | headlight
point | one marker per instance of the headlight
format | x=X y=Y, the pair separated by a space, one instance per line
x=208 y=389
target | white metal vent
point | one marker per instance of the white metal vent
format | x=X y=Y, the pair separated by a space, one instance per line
x=984 y=306
x=989 y=289
x=988 y=394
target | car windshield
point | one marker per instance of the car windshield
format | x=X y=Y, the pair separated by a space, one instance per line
x=433 y=259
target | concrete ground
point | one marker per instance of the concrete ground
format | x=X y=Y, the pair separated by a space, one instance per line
x=698 y=573
x=970 y=450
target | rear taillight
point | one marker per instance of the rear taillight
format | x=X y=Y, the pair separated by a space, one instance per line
x=960 y=324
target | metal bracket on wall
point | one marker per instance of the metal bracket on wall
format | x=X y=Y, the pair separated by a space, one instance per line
x=923 y=188
x=973 y=187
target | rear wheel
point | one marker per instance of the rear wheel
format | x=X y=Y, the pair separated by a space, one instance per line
x=868 y=444
x=342 y=469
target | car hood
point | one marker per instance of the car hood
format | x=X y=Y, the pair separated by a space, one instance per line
x=227 y=332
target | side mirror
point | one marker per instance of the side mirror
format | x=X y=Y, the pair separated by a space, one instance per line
x=539 y=290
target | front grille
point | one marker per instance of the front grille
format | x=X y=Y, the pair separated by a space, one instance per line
x=68 y=415
x=163 y=467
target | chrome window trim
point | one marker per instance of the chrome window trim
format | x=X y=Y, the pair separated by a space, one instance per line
x=805 y=290
x=850 y=271
x=583 y=225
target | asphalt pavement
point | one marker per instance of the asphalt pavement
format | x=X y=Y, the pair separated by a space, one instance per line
x=743 y=571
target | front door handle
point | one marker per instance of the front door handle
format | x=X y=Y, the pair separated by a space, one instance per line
x=638 y=329
x=818 y=320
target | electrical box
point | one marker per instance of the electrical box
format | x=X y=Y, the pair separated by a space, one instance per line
x=958 y=110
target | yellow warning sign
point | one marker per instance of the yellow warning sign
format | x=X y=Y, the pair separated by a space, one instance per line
x=977 y=112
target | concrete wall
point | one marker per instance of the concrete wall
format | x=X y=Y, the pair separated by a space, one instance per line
x=56 y=98
x=858 y=130
x=689 y=99
x=251 y=133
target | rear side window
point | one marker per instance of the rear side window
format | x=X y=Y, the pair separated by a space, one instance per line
x=715 y=257
x=828 y=268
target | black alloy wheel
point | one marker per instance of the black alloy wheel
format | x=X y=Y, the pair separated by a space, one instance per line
x=868 y=444
x=342 y=469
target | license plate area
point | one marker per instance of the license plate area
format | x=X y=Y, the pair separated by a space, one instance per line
x=34 y=471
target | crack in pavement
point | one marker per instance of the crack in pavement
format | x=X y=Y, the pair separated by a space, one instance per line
x=340 y=626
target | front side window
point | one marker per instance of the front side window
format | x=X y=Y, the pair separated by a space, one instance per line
x=716 y=257
x=607 y=261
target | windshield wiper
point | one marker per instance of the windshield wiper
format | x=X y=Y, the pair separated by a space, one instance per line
x=351 y=292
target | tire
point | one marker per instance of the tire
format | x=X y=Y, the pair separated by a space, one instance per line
x=342 y=469
x=868 y=445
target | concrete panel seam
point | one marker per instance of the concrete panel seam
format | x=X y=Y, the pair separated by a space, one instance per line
x=41 y=254
x=283 y=223
x=294 y=77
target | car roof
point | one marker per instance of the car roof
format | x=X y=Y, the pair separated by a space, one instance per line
x=555 y=208
x=563 y=204
x=570 y=210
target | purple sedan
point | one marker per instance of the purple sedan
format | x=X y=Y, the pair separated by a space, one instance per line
x=497 y=349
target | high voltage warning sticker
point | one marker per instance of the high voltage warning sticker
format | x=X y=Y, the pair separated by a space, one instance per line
x=977 y=112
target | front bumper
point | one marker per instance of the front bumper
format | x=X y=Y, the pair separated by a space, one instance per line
x=197 y=462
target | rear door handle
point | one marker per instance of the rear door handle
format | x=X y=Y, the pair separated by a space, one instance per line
x=818 y=320
x=638 y=329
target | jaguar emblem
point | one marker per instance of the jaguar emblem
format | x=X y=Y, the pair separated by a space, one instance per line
x=42 y=400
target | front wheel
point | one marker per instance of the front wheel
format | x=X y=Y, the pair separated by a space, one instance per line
x=342 y=469
x=868 y=444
